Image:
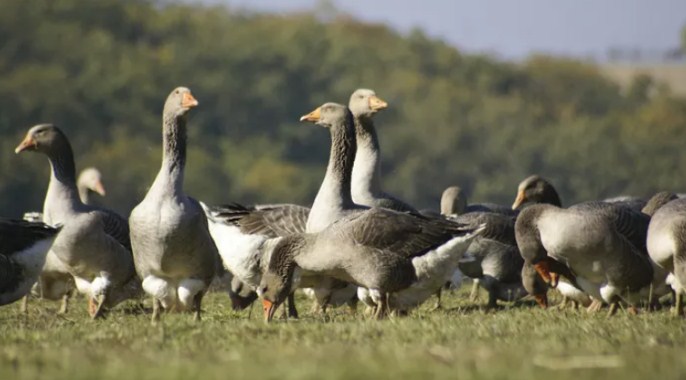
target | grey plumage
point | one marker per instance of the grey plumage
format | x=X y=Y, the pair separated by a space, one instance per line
x=94 y=242
x=174 y=253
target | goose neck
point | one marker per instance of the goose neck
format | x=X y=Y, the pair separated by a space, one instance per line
x=366 y=176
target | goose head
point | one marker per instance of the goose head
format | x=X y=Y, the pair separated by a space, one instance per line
x=364 y=103
x=274 y=289
x=179 y=102
x=656 y=201
x=535 y=189
x=241 y=295
x=329 y=115
x=91 y=179
x=534 y=286
x=44 y=138
x=453 y=201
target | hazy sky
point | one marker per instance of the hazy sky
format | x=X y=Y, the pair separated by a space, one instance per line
x=515 y=28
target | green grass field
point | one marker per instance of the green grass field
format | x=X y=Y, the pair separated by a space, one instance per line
x=460 y=341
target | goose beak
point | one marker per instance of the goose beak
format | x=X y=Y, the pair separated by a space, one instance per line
x=269 y=308
x=376 y=104
x=519 y=200
x=99 y=188
x=313 y=116
x=541 y=300
x=28 y=144
x=543 y=269
x=188 y=101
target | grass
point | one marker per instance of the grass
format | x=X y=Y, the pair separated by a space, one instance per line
x=460 y=341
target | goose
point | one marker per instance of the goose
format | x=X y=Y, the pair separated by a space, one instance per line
x=94 y=242
x=454 y=202
x=665 y=243
x=174 y=253
x=55 y=282
x=401 y=258
x=236 y=240
x=596 y=245
x=23 y=247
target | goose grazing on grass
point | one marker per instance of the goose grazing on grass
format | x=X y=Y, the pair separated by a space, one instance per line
x=596 y=245
x=55 y=281
x=401 y=258
x=94 y=242
x=172 y=247
x=23 y=247
x=667 y=243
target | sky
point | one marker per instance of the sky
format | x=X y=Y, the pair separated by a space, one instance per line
x=513 y=29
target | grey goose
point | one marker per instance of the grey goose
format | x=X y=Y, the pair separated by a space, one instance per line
x=599 y=246
x=666 y=245
x=436 y=251
x=174 y=253
x=55 y=282
x=94 y=242
x=23 y=247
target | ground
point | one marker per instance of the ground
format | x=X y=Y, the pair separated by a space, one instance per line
x=460 y=341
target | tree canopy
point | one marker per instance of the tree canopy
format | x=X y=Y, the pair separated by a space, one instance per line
x=101 y=71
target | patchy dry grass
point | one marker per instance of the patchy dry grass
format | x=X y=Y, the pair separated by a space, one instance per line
x=460 y=341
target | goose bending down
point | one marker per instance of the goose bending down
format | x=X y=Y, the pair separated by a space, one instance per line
x=23 y=247
x=55 y=282
x=401 y=258
x=667 y=246
x=94 y=242
x=596 y=245
x=493 y=257
x=172 y=247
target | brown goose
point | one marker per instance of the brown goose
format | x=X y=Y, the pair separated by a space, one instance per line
x=174 y=252
x=94 y=242
x=394 y=255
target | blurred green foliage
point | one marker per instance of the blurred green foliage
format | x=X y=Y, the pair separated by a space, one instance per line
x=102 y=69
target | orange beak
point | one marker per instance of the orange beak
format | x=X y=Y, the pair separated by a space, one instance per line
x=541 y=300
x=543 y=269
x=99 y=188
x=269 y=308
x=519 y=200
x=188 y=101
x=27 y=143
x=312 y=116
x=376 y=103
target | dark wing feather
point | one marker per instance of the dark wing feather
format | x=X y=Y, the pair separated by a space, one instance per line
x=402 y=234
x=499 y=227
x=633 y=225
x=116 y=227
x=271 y=221
x=16 y=235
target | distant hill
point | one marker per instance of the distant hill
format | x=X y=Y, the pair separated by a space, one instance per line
x=674 y=75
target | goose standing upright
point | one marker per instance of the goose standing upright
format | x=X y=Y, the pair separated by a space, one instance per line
x=94 y=242
x=55 y=282
x=23 y=247
x=172 y=247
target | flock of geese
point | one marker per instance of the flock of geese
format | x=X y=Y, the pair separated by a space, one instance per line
x=356 y=243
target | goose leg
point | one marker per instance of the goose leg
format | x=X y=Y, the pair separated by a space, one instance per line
x=24 y=308
x=99 y=311
x=197 y=309
x=679 y=304
x=563 y=304
x=382 y=307
x=64 y=306
x=613 y=309
x=594 y=306
x=474 y=294
x=156 y=307
x=492 y=300
x=292 y=311
x=437 y=306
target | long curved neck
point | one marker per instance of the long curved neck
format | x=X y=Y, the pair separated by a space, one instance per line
x=170 y=176
x=62 y=195
x=84 y=194
x=334 y=194
x=366 y=177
